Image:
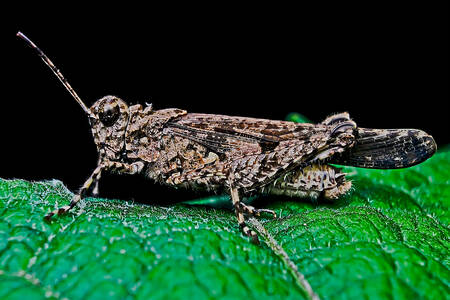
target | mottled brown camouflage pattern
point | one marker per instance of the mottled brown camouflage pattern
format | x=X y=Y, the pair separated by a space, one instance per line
x=238 y=155
x=244 y=156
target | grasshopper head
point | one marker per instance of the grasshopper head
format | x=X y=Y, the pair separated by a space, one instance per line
x=109 y=119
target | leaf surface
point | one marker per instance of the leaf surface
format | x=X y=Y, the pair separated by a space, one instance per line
x=388 y=238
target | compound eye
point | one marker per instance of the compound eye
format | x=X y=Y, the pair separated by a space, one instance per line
x=109 y=113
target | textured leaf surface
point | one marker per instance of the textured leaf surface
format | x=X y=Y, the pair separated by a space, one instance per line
x=388 y=239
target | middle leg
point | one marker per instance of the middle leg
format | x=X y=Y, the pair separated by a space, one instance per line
x=238 y=208
x=256 y=212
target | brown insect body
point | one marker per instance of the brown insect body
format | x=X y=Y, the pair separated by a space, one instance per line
x=238 y=155
x=200 y=151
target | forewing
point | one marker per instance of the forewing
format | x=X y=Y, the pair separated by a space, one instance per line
x=255 y=150
x=228 y=135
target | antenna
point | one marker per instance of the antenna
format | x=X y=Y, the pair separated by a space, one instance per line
x=55 y=70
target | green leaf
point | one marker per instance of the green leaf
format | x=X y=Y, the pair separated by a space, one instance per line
x=388 y=238
x=297 y=117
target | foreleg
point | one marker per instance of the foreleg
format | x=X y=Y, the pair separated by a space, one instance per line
x=93 y=179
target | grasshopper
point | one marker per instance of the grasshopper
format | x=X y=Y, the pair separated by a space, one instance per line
x=237 y=155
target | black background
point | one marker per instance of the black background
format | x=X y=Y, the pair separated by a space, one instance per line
x=386 y=64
